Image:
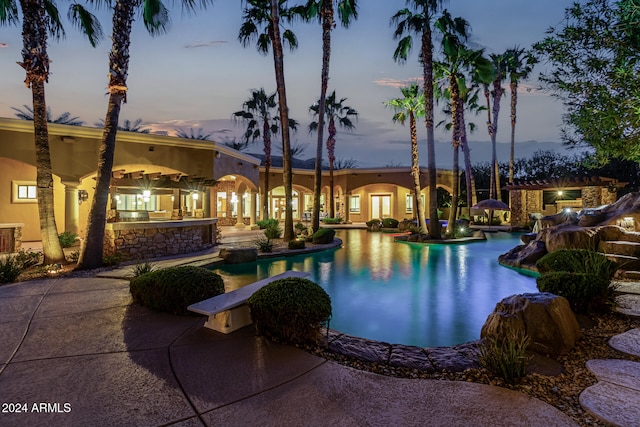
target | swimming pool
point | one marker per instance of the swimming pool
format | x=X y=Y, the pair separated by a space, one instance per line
x=403 y=293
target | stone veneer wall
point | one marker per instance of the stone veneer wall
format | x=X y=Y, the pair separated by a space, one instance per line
x=10 y=237
x=139 y=240
x=591 y=197
x=518 y=212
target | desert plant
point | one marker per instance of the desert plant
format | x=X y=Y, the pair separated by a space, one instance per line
x=67 y=239
x=273 y=231
x=10 y=269
x=323 y=236
x=290 y=310
x=143 y=268
x=266 y=222
x=173 y=289
x=74 y=256
x=585 y=292
x=264 y=245
x=296 y=244
x=504 y=357
x=27 y=258
x=114 y=259
x=390 y=223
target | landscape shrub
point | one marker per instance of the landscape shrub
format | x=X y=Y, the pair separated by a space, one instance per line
x=296 y=244
x=27 y=258
x=67 y=239
x=143 y=268
x=328 y=220
x=390 y=223
x=506 y=357
x=323 y=236
x=173 y=289
x=585 y=292
x=10 y=269
x=273 y=231
x=266 y=222
x=373 y=222
x=114 y=259
x=300 y=228
x=577 y=261
x=264 y=245
x=290 y=310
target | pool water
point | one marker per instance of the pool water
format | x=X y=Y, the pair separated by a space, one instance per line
x=403 y=293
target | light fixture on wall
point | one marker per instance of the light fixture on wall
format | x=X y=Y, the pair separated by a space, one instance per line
x=195 y=196
x=83 y=196
x=146 y=195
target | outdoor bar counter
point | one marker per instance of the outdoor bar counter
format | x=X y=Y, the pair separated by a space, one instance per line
x=152 y=239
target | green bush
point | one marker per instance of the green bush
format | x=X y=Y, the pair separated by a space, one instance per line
x=264 y=245
x=173 y=289
x=273 y=231
x=296 y=244
x=390 y=223
x=27 y=258
x=300 y=227
x=266 y=222
x=67 y=239
x=114 y=259
x=505 y=358
x=323 y=236
x=10 y=269
x=328 y=220
x=577 y=261
x=290 y=310
x=143 y=268
x=585 y=292
x=373 y=222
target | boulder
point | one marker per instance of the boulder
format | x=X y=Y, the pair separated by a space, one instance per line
x=569 y=236
x=524 y=255
x=545 y=318
x=238 y=255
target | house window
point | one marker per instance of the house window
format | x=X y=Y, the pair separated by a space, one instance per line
x=409 y=202
x=354 y=204
x=24 y=192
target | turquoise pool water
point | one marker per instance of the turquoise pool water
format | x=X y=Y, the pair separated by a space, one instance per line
x=403 y=293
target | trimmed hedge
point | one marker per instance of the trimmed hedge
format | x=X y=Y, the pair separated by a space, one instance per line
x=577 y=261
x=173 y=289
x=328 y=220
x=323 y=236
x=290 y=310
x=390 y=223
x=296 y=244
x=585 y=292
x=266 y=223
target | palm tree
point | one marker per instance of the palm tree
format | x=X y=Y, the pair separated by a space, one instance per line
x=156 y=19
x=324 y=9
x=63 y=119
x=266 y=14
x=520 y=64
x=194 y=134
x=410 y=106
x=493 y=90
x=40 y=18
x=261 y=115
x=127 y=126
x=458 y=62
x=418 y=21
x=335 y=111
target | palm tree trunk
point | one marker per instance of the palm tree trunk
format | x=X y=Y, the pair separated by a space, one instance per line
x=278 y=59
x=36 y=64
x=490 y=129
x=427 y=66
x=455 y=118
x=497 y=96
x=91 y=256
x=327 y=25
x=514 y=101
x=331 y=153
x=266 y=131
x=472 y=197
x=415 y=172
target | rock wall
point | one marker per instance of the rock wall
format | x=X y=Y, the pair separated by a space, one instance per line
x=157 y=242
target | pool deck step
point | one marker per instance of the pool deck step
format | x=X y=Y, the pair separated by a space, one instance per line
x=620 y=247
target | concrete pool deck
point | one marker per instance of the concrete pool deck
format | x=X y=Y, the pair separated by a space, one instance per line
x=76 y=352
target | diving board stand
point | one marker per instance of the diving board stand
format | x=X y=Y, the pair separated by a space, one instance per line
x=229 y=312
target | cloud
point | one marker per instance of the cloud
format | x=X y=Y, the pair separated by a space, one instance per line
x=396 y=82
x=3 y=45
x=199 y=43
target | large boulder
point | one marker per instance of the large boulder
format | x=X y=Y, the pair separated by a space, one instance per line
x=238 y=255
x=524 y=255
x=545 y=318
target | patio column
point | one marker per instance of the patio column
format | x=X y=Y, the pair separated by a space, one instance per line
x=71 y=207
x=347 y=206
x=240 y=208
x=252 y=214
x=176 y=212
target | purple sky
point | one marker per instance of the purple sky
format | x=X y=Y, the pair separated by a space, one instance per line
x=199 y=74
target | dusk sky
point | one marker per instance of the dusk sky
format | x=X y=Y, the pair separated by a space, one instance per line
x=198 y=74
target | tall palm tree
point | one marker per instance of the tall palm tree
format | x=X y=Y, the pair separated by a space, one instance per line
x=418 y=21
x=26 y=113
x=410 y=106
x=520 y=64
x=493 y=91
x=262 y=117
x=262 y=23
x=324 y=9
x=155 y=17
x=458 y=62
x=40 y=18
x=335 y=111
